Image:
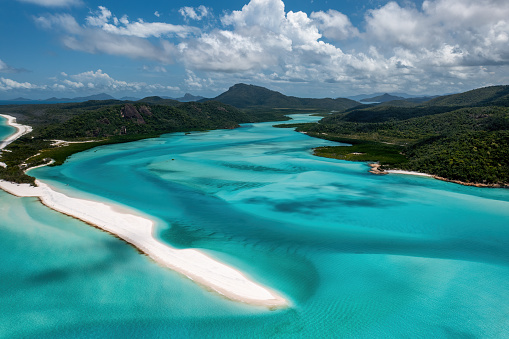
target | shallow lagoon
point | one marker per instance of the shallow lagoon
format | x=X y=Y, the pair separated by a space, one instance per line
x=358 y=255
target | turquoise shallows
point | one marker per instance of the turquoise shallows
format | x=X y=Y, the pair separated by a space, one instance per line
x=5 y=130
x=358 y=255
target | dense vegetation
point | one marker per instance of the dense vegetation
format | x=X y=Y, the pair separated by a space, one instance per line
x=250 y=96
x=463 y=137
x=106 y=122
x=459 y=137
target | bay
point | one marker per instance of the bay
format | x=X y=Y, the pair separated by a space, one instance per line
x=358 y=255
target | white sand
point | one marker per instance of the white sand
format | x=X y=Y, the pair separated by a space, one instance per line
x=138 y=231
x=408 y=173
x=20 y=130
x=66 y=143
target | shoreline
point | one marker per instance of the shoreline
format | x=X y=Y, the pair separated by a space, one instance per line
x=20 y=130
x=375 y=169
x=125 y=224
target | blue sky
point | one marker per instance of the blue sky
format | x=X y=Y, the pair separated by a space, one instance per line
x=315 y=48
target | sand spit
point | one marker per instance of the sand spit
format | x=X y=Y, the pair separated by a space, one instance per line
x=138 y=231
x=20 y=130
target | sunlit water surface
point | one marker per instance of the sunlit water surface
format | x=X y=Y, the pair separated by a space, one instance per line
x=358 y=255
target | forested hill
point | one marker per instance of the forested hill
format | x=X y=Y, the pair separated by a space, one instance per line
x=487 y=96
x=402 y=110
x=462 y=137
x=143 y=118
x=101 y=123
x=250 y=96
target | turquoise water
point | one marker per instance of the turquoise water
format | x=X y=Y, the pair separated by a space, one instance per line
x=358 y=255
x=5 y=130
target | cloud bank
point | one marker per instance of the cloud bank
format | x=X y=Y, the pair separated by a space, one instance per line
x=440 y=45
x=89 y=81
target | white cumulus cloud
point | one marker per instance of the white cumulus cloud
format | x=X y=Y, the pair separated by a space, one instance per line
x=9 y=84
x=334 y=25
x=104 y=19
x=194 y=13
x=99 y=80
x=441 y=44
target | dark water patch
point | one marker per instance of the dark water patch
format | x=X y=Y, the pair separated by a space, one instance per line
x=116 y=253
x=253 y=168
x=319 y=206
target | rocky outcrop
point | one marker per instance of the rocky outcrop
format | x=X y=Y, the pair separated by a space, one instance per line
x=145 y=111
x=130 y=112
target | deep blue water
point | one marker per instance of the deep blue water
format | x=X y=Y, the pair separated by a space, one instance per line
x=358 y=255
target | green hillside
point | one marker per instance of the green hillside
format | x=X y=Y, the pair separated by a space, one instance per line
x=487 y=96
x=250 y=96
x=141 y=118
x=455 y=140
x=101 y=123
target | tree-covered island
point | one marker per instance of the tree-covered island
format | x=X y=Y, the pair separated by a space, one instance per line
x=462 y=137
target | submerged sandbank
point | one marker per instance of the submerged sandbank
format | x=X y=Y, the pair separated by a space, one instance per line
x=138 y=231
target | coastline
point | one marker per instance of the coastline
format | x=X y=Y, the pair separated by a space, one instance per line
x=138 y=232
x=20 y=130
x=375 y=169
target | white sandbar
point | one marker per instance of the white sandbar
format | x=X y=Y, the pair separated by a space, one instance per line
x=138 y=231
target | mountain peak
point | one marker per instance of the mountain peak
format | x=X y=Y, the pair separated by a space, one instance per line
x=244 y=96
x=383 y=98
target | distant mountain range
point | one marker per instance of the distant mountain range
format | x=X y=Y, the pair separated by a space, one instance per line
x=189 y=97
x=364 y=97
x=103 y=96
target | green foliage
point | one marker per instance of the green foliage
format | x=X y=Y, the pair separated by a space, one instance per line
x=468 y=144
x=462 y=137
x=388 y=155
x=250 y=96
x=141 y=118
x=474 y=157
x=487 y=96
x=107 y=122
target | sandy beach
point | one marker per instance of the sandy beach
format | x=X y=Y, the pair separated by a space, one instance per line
x=408 y=173
x=138 y=231
x=20 y=130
